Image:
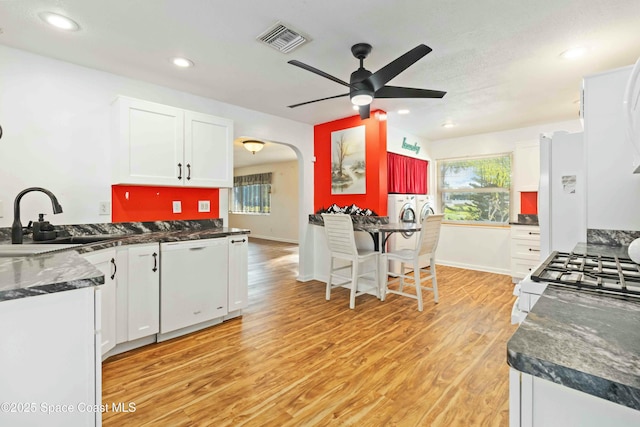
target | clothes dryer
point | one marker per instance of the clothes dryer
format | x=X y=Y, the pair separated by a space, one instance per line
x=401 y=209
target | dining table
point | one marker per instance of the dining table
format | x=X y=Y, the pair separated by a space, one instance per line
x=380 y=234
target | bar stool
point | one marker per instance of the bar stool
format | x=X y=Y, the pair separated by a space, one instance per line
x=426 y=245
x=342 y=246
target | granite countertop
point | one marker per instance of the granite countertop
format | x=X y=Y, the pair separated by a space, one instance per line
x=526 y=219
x=65 y=269
x=582 y=340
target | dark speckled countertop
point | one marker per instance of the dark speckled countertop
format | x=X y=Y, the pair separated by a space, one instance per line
x=65 y=269
x=582 y=340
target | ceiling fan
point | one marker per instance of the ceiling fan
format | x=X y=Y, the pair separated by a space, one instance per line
x=364 y=85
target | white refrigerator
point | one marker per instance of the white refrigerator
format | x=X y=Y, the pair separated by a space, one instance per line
x=562 y=197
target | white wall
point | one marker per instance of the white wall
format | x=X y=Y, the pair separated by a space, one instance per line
x=395 y=138
x=282 y=223
x=483 y=248
x=56 y=121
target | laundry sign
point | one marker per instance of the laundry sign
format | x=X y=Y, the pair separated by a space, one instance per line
x=407 y=146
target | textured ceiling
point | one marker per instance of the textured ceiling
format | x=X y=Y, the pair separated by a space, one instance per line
x=498 y=60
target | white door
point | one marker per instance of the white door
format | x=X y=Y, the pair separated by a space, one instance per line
x=143 y=290
x=208 y=150
x=150 y=143
x=238 y=272
x=105 y=261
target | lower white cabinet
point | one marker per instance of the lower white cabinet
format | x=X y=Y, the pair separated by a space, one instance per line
x=105 y=261
x=238 y=272
x=50 y=358
x=138 y=294
x=193 y=282
x=525 y=250
x=536 y=402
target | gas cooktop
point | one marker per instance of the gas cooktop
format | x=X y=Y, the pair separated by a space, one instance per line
x=608 y=274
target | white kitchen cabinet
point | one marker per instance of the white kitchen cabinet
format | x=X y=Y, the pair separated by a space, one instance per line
x=138 y=292
x=526 y=167
x=193 y=282
x=238 y=272
x=50 y=360
x=155 y=144
x=525 y=250
x=536 y=402
x=105 y=261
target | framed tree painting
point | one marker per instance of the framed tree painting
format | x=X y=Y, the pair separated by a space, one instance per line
x=348 y=168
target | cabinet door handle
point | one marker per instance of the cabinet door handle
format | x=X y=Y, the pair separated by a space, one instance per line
x=197 y=249
x=534 y=250
x=188 y=171
x=155 y=262
x=115 y=268
x=238 y=241
x=533 y=233
x=179 y=170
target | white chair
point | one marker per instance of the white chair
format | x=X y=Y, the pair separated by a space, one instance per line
x=426 y=245
x=342 y=246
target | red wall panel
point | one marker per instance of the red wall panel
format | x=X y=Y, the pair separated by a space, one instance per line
x=375 y=158
x=130 y=203
x=529 y=202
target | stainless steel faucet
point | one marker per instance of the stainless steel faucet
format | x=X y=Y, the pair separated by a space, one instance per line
x=16 y=227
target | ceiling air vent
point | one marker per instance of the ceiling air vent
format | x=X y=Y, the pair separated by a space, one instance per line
x=282 y=38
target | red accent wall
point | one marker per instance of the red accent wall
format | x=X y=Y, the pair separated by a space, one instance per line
x=130 y=203
x=375 y=159
x=529 y=202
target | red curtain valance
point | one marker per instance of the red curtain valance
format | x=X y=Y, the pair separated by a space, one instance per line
x=406 y=175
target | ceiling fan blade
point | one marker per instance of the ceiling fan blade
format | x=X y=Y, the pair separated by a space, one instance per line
x=392 y=69
x=316 y=100
x=365 y=111
x=408 y=92
x=318 y=72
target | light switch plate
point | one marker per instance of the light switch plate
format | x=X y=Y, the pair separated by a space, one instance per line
x=104 y=208
x=177 y=206
x=204 y=206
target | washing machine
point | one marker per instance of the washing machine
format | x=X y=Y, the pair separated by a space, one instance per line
x=401 y=208
x=424 y=206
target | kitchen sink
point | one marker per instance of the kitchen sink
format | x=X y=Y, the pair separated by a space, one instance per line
x=28 y=249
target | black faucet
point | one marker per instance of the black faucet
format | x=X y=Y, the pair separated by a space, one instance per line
x=16 y=227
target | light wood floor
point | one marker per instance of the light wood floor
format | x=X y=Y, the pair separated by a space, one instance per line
x=295 y=359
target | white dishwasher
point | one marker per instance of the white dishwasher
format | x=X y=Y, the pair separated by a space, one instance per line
x=193 y=282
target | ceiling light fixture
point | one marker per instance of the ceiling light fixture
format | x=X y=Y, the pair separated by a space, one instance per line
x=573 y=53
x=381 y=116
x=253 y=145
x=448 y=124
x=182 y=62
x=361 y=96
x=355 y=107
x=403 y=111
x=59 y=21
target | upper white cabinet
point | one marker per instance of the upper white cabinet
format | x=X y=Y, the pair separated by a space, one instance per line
x=526 y=168
x=155 y=144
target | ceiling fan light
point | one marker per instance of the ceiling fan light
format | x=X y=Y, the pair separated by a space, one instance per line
x=361 y=97
x=253 y=145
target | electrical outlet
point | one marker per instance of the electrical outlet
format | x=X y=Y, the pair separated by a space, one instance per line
x=204 y=206
x=104 y=208
x=177 y=206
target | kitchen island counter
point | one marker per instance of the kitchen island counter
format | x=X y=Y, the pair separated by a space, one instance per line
x=63 y=269
x=584 y=341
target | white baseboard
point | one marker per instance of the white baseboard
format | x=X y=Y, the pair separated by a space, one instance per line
x=474 y=267
x=275 y=239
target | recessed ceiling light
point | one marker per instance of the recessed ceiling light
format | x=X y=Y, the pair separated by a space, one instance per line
x=403 y=111
x=182 y=62
x=448 y=124
x=573 y=53
x=59 y=21
x=355 y=107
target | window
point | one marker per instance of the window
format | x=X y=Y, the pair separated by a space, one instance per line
x=476 y=190
x=251 y=194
